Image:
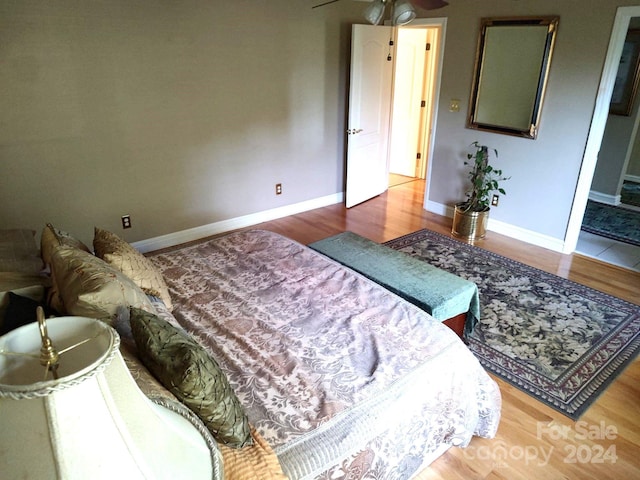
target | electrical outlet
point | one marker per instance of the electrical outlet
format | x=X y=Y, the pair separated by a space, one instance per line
x=126 y=221
x=494 y=200
x=278 y=189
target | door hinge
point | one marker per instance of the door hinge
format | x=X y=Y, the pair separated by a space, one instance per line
x=428 y=46
x=423 y=103
x=419 y=156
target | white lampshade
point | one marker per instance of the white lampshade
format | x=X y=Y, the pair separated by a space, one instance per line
x=92 y=422
x=403 y=12
x=375 y=12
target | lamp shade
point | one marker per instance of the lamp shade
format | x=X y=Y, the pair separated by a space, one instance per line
x=403 y=12
x=375 y=12
x=92 y=421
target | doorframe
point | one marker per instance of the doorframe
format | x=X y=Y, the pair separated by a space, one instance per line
x=598 y=123
x=440 y=24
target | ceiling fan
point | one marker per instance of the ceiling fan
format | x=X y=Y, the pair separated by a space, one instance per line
x=402 y=11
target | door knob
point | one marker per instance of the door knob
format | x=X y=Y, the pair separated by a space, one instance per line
x=353 y=131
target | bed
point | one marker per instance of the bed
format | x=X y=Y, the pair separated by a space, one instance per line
x=341 y=377
x=336 y=376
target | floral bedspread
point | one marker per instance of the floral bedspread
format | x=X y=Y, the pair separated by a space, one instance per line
x=341 y=377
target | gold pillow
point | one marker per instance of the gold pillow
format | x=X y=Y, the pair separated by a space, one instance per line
x=53 y=237
x=89 y=287
x=122 y=256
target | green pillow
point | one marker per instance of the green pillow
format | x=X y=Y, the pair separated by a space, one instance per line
x=185 y=368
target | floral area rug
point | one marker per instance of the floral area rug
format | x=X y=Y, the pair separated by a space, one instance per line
x=559 y=341
x=618 y=223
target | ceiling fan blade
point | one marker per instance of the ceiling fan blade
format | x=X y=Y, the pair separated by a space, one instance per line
x=424 y=4
x=430 y=4
x=325 y=3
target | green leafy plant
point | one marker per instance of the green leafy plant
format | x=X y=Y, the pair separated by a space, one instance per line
x=484 y=179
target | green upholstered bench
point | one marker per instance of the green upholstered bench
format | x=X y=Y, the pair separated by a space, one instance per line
x=445 y=296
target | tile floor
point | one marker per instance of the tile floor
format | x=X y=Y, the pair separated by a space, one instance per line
x=610 y=251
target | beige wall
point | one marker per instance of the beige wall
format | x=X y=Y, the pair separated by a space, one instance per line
x=178 y=113
x=544 y=172
x=183 y=114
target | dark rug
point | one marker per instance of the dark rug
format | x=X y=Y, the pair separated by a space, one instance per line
x=559 y=341
x=617 y=223
x=630 y=193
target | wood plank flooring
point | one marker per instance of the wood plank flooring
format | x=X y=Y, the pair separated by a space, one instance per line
x=533 y=441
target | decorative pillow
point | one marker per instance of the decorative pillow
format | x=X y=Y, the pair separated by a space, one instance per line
x=53 y=237
x=121 y=255
x=89 y=287
x=185 y=368
x=162 y=311
x=19 y=251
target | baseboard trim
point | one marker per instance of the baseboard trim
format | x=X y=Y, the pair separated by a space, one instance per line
x=632 y=178
x=600 y=197
x=529 y=236
x=216 y=228
x=522 y=234
x=440 y=209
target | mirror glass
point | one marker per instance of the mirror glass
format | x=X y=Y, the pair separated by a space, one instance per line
x=510 y=76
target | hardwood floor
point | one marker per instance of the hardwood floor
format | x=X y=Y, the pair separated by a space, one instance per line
x=533 y=441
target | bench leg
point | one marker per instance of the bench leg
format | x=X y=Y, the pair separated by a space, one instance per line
x=457 y=324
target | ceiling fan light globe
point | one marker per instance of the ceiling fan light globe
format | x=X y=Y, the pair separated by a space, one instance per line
x=403 y=12
x=375 y=12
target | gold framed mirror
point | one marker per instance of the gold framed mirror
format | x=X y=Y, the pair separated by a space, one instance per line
x=510 y=74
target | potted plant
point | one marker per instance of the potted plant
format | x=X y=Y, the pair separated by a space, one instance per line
x=470 y=217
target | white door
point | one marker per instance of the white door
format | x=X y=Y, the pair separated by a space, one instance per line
x=369 y=112
x=408 y=88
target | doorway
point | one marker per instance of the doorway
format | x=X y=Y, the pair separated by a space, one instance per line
x=624 y=16
x=419 y=51
x=609 y=227
x=598 y=123
x=370 y=104
x=408 y=105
